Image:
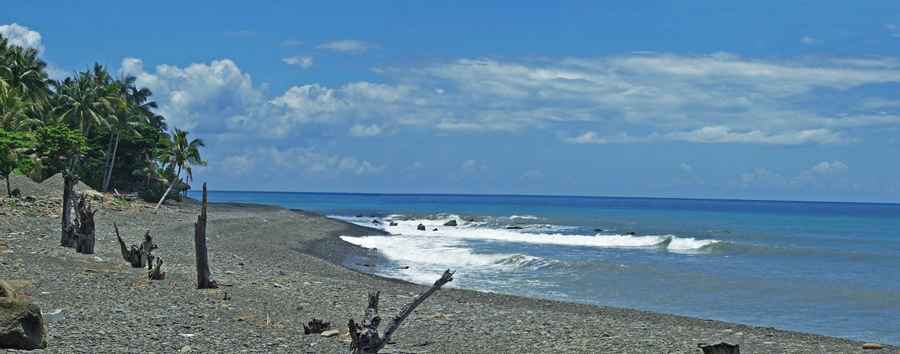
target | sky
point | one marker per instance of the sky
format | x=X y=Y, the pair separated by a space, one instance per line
x=777 y=100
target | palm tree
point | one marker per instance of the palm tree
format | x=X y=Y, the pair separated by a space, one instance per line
x=134 y=110
x=88 y=100
x=24 y=72
x=180 y=156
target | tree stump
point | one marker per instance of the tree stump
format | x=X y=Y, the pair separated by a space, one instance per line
x=316 y=326
x=84 y=227
x=67 y=239
x=156 y=272
x=137 y=257
x=203 y=281
x=364 y=339
x=721 y=348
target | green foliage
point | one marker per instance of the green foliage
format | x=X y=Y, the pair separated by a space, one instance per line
x=14 y=151
x=102 y=128
x=59 y=148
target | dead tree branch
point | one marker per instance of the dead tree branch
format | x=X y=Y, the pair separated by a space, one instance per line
x=364 y=339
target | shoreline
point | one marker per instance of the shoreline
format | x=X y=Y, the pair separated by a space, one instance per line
x=280 y=268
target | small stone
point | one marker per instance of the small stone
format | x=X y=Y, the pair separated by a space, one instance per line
x=278 y=285
x=872 y=346
x=185 y=349
x=330 y=333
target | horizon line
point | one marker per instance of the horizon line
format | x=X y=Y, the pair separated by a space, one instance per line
x=558 y=196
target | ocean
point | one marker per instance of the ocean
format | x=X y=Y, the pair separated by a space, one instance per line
x=818 y=267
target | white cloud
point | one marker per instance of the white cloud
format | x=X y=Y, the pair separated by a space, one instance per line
x=305 y=62
x=720 y=134
x=360 y=130
x=21 y=36
x=471 y=167
x=685 y=167
x=826 y=167
x=211 y=97
x=238 y=164
x=810 y=40
x=314 y=162
x=716 y=98
x=348 y=46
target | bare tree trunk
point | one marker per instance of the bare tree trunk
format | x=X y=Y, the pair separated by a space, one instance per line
x=171 y=184
x=203 y=281
x=137 y=257
x=111 y=165
x=8 y=190
x=364 y=339
x=67 y=238
x=85 y=238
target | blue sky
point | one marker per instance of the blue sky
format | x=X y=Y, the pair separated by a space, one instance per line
x=762 y=100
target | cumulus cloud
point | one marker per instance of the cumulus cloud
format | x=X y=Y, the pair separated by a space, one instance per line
x=305 y=62
x=348 y=46
x=360 y=130
x=717 y=98
x=209 y=97
x=22 y=36
x=832 y=167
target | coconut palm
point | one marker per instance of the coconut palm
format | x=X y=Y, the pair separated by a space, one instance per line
x=24 y=72
x=87 y=100
x=180 y=156
x=134 y=110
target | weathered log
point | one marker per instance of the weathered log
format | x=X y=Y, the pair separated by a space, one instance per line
x=721 y=348
x=84 y=226
x=156 y=272
x=364 y=339
x=138 y=257
x=203 y=281
x=316 y=326
x=67 y=239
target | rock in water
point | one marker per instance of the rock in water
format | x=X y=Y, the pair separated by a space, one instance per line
x=872 y=346
x=21 y=325
x=420 y=227
x=450 y=223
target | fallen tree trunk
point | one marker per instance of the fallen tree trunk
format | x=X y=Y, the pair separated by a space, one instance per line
x=364 y=339
x=203 y=281
x=138 y=257
x=84 y=230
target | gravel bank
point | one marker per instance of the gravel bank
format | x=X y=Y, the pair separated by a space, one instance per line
x=279 y=269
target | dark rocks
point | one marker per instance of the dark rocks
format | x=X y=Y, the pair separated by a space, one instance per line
x=421 y=227
x=21 y=324
x=450 y=223
x=376 y=222
x=513 y=227
x=393 y=223
x=435 y=229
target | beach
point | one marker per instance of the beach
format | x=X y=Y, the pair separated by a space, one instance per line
x=279 y=268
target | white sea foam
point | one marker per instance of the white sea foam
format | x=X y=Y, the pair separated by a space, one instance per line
x=523 y=217
x=670 y=242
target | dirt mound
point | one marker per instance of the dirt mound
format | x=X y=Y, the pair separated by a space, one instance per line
x=50 y=187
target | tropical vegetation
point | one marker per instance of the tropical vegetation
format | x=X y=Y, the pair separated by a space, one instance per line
x=100 y=129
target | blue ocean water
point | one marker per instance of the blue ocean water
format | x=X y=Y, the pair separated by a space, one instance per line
x=826 y=268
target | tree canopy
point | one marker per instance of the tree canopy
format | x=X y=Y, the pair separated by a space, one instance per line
x=103 y=128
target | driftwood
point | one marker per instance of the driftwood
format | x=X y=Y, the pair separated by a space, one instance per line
x=84 y=236
x=156 y=272
x=364 y=339
x=67 y=239
x=203 y=281
x=316 y=326
x=721 y=348
x=138 y=257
